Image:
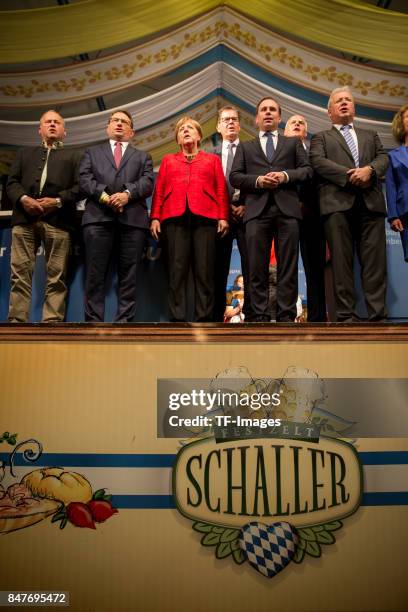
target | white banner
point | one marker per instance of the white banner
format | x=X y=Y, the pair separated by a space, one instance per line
x=170 y=103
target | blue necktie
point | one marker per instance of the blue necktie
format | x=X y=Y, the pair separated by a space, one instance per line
x=345 y=130
x=270 y=149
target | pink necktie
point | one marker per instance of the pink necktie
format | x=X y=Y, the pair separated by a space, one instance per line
x=118 y=153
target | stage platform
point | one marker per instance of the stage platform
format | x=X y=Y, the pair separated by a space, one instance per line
x=205 y=332
x=95 y=399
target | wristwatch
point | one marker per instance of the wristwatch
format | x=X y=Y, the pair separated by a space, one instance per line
x=58 y=202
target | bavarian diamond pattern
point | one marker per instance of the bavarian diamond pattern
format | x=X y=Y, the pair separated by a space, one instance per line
x=268 y=549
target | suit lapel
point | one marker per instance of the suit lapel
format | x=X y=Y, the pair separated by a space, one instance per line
x=334 y=132
x=258 y=149
x=402 y=155
x=130 y=151
x=362 y=140
x=278 y=149
x=279 y=146
x=108 y=153
x=230 y=188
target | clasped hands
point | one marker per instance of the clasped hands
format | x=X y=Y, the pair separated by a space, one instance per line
x=116 y=201
x=272 y=180
x=361 y=177
x=40 y=206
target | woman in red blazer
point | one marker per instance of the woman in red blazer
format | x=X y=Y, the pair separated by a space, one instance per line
x=190 y=206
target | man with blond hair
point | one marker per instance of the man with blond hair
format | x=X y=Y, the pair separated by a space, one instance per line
x=43 y=189
x=349 y=163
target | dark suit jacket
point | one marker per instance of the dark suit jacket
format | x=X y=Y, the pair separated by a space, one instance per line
x=251 y=162
x=331 y=158
x=98 y=173
x=307 y=191
x=62 y=182
x=396 y=182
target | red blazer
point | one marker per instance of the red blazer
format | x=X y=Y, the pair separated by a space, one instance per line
x=200 y=181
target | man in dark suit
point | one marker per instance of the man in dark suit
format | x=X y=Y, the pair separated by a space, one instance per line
x=228 y=126
x=43 y=188
x=116 y=179
x=267 y=170
x=349 y=163
x=312 y=237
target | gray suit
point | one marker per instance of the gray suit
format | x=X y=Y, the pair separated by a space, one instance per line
x=353 y=217
x=103 y=227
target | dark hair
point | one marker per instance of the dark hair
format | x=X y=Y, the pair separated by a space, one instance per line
x=124 y=112
x=225 y=108
x=268 y=98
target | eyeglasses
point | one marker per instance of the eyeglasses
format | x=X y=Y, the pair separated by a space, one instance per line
x=228 y=119
x=119 y=120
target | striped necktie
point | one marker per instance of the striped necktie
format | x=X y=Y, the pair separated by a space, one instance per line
x=345 y=130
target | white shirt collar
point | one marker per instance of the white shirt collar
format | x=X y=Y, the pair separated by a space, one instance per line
x=338 y=126
x=274 y=133
x=123 y=143
x=226 y=143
